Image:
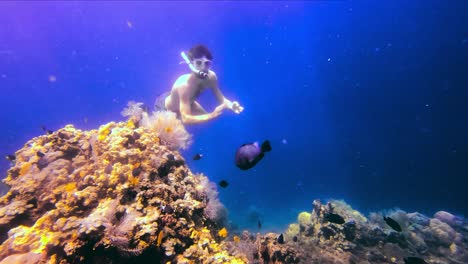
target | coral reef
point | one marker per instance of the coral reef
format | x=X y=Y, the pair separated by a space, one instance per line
x=118 y=194
x=123 y=194
x=442 y=239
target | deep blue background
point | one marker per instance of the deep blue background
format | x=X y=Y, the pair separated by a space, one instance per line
x=369 y=96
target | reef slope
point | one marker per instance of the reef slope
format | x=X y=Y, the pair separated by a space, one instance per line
x=112 y=195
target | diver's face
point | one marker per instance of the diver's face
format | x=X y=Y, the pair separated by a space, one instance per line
x=202 y=64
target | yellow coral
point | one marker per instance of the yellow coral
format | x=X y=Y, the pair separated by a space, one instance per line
x=304 y=218
x=133 y=181
x=293 y=230
x=453 y=248
x=25 y=168
x=104 y=131
x=131 y=124
x=70 y=186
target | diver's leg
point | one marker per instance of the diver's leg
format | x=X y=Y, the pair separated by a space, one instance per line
x=197 y=109
x=160 y=103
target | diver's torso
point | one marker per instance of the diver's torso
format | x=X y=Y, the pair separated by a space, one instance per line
x=187 y=85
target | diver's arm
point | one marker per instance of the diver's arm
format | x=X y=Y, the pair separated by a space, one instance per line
x=186 y=112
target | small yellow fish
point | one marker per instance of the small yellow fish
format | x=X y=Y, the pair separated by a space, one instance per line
x=160 y=238
x=223 y=232
x=236 y=239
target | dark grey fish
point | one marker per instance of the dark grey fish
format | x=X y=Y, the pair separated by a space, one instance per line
x=48 y=131
x=392 y=223
x=10 y=157
x=280 y=239
x=248 y=155
x=414 y=260
x=223 y=183
x=197 y=156
x=334 y=218
x=259 y=224
x=295 y=238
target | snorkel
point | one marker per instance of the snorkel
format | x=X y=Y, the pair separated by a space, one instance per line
x=202 y=74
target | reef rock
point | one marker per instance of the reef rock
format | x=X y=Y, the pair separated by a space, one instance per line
x=113 y=195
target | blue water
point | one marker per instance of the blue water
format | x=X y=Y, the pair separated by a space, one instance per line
x=362 y=101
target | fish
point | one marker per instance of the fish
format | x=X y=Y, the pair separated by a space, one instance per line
x=223 y=232
x=259 y=224
x=392 y=223
x=40 y=154
x=48 y=131
x=280 y=239
x=197 y=156
x=295 y=238
x=223 y=184
x=11 y=157
x=248 y=155
x=334 y=218
x=170 y=157
x=414 y=260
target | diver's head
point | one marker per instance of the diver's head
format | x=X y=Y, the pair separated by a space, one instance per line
x=201 y=57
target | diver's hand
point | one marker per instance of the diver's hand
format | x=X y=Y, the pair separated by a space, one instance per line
x=236 y=107
x=218 y=111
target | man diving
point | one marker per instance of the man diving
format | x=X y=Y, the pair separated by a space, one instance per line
x=186 y=89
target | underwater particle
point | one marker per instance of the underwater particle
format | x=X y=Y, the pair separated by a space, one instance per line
x=334 y=218
x=223 y=232
x=280 y=239
x=248 y=155
x=392 y=223
x=197 y=156
x=284 y=141
x=414 y=260
x=129 y=24
x=52 y=78
x=329 y=59
x=223 y=184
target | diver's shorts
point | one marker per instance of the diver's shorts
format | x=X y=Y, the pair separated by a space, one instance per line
x=159 y=104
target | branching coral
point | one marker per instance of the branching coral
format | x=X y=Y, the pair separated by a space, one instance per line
x=165 y=124
x=170 y=129
x=214 y=209
x=133 y=109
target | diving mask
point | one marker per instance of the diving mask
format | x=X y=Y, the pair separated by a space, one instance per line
x=202 y=64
